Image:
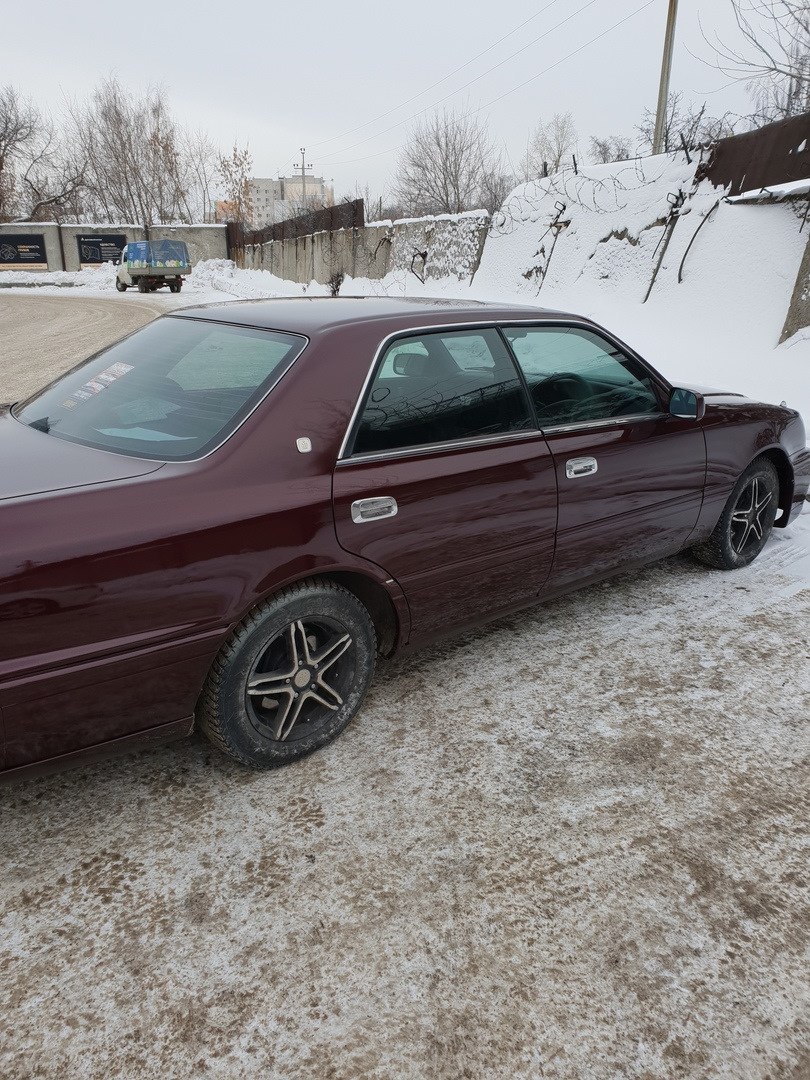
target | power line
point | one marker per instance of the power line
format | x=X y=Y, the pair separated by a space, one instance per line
x=567 y=56
x=494 y=67
x=474 y=112
x=444 y=78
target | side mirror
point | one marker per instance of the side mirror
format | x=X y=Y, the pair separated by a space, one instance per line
x=687 y=404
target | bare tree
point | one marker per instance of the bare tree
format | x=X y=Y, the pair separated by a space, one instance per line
x=496 y=184
x=684 y=121
x=201 y=171
x=610 y=148
x=40 y=175
x=443 y=165
x=551 y=143
x=19 y=123
x=235 y=171
x=773 y=58
x=378 y=206
x=138 y=168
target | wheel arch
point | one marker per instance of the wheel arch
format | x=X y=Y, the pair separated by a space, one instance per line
x=784 y=471
x=377 y=602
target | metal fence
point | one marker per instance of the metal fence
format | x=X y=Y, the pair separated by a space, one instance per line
x=775 y=154
x=346 y=215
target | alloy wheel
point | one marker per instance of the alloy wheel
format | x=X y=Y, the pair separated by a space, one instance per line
x=301 y=678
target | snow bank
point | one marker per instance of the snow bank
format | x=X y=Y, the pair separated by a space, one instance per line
x=226 y=277
x=97 y=277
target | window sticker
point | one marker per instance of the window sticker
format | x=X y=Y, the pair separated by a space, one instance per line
x=98 y=383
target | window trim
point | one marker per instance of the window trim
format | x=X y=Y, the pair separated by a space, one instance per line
x=439 y=447
x=344 y=454
x=662 y=386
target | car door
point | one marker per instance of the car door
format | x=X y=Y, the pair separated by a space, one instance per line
x=630 y=475
x=445 y=481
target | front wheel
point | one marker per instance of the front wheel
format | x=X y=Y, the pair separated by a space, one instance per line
x=291 y=676
x=746 y=522
x=120 y=285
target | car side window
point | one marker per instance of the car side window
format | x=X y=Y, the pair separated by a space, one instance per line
x=577 y=376
x=440 y=387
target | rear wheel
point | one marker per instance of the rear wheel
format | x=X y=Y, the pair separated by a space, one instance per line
x=142 y=286
x=746 y=522
x=291 y=676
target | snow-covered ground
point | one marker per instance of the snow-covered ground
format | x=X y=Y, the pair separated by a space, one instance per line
x=571 y=844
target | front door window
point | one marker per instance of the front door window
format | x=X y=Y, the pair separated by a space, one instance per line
x=575 y=376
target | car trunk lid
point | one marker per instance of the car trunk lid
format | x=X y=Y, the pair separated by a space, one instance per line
x=34 y=462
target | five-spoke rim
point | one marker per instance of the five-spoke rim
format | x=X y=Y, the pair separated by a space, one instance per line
x=301 y=678
x=747 y=527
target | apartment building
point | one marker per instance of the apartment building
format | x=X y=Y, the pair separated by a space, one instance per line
x=278 y=199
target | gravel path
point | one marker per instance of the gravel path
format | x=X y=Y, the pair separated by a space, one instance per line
x=573 y=844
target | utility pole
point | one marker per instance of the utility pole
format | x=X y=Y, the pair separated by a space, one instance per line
x=663 y=88
x=304 y=168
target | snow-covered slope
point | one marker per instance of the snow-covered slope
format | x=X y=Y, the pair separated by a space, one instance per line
x=719 y=325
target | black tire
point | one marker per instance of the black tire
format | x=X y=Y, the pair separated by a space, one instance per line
x=312 y=648
x=120 y=285
x=142 y=286
x=746 y=522
x=174 y=286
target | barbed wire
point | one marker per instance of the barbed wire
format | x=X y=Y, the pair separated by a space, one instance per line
x=573 y=187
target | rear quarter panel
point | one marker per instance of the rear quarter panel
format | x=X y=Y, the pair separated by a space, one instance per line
x=114 y=598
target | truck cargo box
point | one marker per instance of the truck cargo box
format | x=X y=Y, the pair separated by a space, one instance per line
x=157 y=256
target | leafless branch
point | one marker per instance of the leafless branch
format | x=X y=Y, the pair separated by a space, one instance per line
x=771 y=55
x=448 y=165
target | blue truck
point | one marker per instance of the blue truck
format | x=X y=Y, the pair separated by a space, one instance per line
x=151 y=264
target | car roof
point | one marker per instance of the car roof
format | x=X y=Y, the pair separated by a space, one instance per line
x=311 y=314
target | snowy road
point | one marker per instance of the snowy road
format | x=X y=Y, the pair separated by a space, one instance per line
x=574 y=844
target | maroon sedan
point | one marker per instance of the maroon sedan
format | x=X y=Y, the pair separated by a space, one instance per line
x=226 y=515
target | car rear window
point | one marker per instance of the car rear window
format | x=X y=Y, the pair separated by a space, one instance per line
x=171 y=391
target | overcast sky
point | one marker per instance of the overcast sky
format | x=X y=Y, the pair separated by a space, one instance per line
x=345 y=79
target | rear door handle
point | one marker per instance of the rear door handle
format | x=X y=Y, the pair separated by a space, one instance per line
x=373 y=509
x=580 y=466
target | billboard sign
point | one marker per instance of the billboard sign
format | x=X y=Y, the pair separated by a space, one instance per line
x=100 y=248
x=23 y=251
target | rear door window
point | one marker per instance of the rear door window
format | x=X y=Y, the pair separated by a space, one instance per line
x=441 y=387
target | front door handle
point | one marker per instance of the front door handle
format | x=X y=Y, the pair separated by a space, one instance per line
x=373 y=509
x=580 y=466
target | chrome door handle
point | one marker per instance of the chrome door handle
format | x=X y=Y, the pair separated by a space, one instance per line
x=373 y=509
x=580 y=466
